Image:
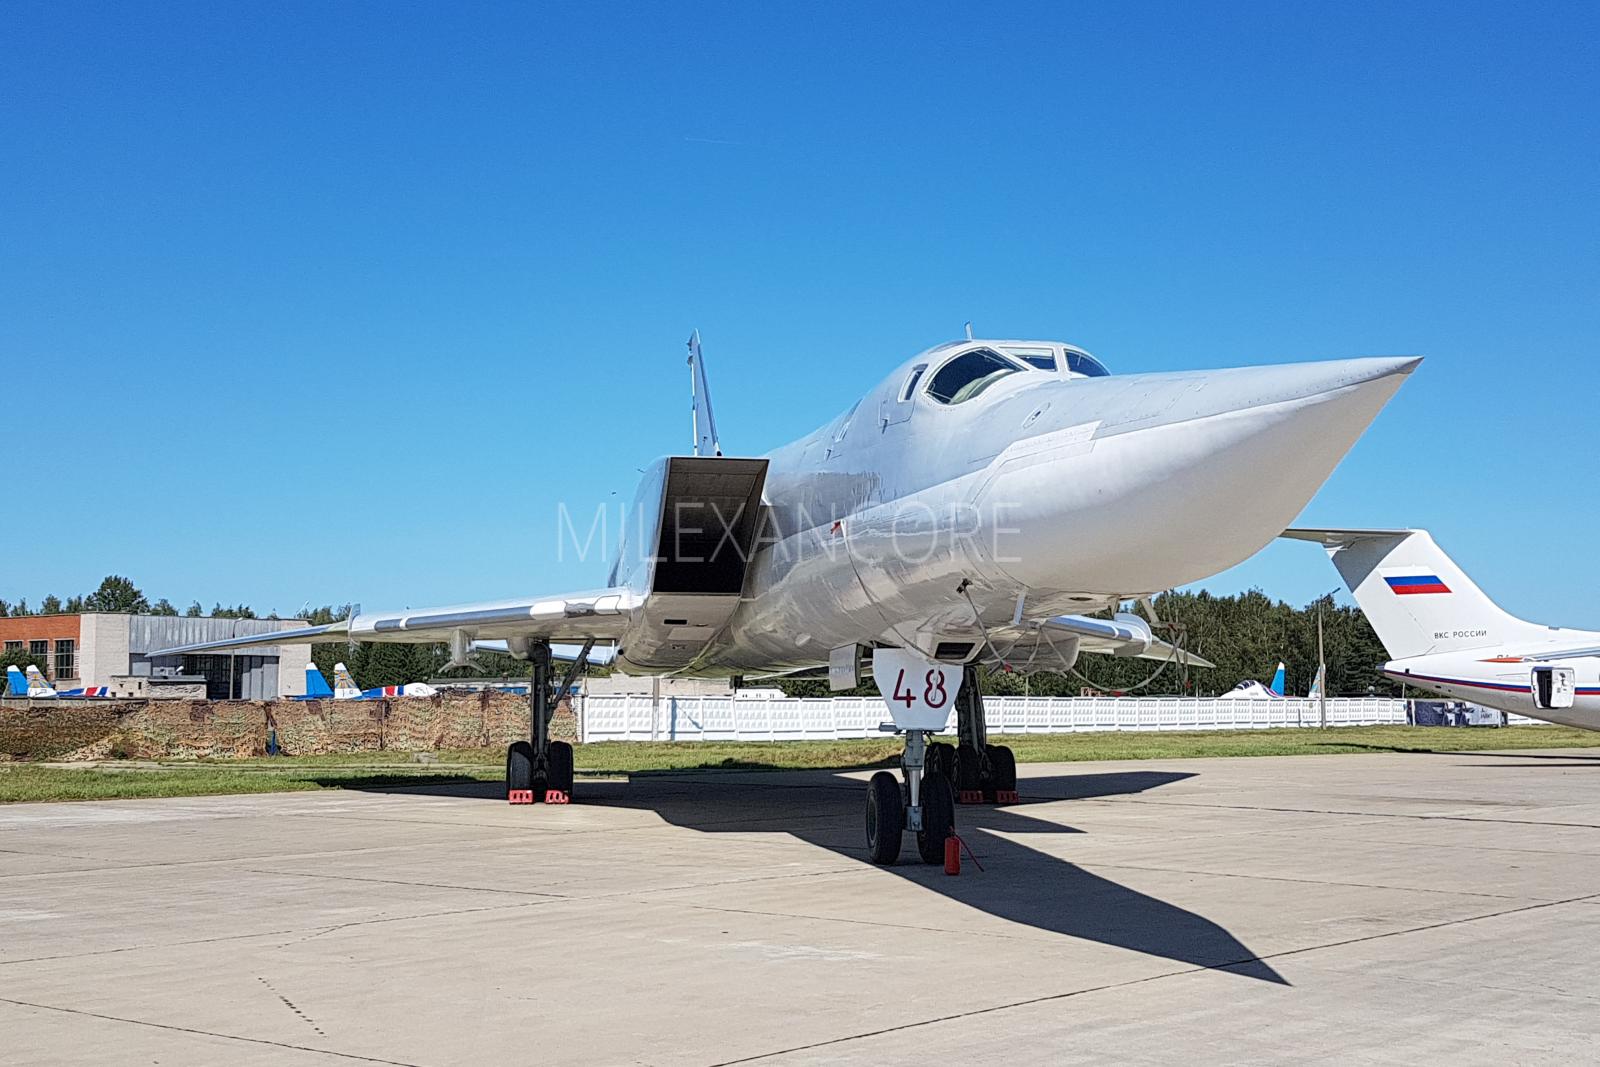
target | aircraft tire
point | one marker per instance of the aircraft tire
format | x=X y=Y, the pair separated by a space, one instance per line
x=941 y=757
x=519 y=766
x=886 y=818
x=969 y=770
x=1003 y=767
x=560 y=755
x=938 y=817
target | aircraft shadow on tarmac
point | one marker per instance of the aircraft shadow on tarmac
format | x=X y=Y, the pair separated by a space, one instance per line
x=1021 y=884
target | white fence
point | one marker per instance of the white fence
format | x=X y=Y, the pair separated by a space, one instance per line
x=726 y=718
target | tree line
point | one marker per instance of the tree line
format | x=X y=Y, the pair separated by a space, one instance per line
x=119 y=596
x=1245 y=635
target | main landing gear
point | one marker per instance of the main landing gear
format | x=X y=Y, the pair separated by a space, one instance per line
x=936 y=776
x=540 y=770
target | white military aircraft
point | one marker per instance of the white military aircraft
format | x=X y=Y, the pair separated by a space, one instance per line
x=979 y=505
x=1445 y=635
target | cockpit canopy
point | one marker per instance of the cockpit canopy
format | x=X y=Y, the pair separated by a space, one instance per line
x=969 y=374
x=1051 y=356
x=976 y=365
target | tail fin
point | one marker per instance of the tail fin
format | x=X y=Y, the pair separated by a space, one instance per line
x=316 y=684
x=344 y=686
x=1278 y=679
x=705 y=422
x=16 y=682
x=1416 y=598
x=38 y=685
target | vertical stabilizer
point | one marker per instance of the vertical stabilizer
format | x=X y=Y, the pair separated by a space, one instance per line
x=344 y=686
x=1278 y=679
x=706 y=442
x=1415 y=596
x=16 y=682
x=38 y=685
x=316 y=685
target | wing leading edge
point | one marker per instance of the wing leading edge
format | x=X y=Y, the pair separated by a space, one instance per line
x=600 y=614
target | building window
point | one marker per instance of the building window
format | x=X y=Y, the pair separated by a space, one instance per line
x=66 y=659
x=13 y=646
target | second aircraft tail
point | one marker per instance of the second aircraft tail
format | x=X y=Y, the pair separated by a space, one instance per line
x=1415 y=596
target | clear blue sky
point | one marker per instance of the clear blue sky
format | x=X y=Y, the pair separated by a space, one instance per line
x=331 y=302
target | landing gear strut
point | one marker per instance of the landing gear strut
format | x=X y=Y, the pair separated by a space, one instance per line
x=982 y=773
x=540 y=770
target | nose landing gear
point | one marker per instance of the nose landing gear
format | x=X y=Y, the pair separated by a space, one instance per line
x=936 y=774
x=925 y=805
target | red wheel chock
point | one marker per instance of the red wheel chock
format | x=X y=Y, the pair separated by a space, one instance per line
x=519 y=796
x=556 y=796
x=1006 y=796
x=970 y=796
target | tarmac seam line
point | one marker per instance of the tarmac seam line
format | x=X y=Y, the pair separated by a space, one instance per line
x=307 y=931
x=1365 y=814
x=206 y=1033
x=1089 y=865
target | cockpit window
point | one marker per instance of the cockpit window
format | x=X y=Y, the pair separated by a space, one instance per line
x=1085 y=364
x=969 y=374
x=1042 y=358
x=911 y=382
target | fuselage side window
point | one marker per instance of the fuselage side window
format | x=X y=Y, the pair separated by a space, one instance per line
x=911 y=382
x=969 y=374
x=844 y=423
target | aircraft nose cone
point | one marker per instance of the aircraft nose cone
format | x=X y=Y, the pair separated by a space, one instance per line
x=1181 y=476
x=1247 y=388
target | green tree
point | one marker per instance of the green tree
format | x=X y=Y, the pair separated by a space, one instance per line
x=17 y=657
x=73 y=605
x=163 y=607
x=328 y=613
x=50 y=605
x=238 y=611
x=195 y=611
x=117 y=595
x=1245 y=635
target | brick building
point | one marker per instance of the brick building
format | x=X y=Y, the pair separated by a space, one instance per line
x=113 y=650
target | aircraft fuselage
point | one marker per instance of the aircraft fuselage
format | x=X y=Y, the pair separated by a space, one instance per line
x=1061 y=494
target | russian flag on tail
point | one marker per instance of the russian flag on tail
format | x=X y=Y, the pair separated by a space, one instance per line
x=1412 y=584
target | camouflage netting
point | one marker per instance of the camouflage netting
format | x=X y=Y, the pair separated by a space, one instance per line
x=45 y=731
x=239 y=728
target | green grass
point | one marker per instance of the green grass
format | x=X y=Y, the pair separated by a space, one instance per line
x=25 y=782
x=356 y=770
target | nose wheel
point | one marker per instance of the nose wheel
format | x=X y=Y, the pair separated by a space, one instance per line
x=925 y=804
x=886 y=818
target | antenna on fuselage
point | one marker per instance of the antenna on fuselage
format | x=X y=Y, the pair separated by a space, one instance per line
x=701 y=421
x=969 y=329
